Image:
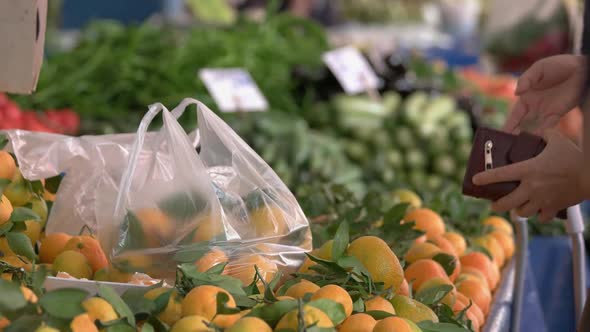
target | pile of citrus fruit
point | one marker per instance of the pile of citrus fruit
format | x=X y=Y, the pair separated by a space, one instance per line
x=353 y=282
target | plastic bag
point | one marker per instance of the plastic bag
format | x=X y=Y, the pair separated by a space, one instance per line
x=153 y=201
x=225 y=197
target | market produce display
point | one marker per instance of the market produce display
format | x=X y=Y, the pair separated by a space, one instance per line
x=379 y=263
x=63 y=121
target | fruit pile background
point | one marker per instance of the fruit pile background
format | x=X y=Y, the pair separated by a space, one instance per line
x=380 y=263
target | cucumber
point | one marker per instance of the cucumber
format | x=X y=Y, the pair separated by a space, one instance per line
x=434 y=182
x=395 y=159
x=417 y=179
x=440 y=108
x=414 y=105
x=391 y=101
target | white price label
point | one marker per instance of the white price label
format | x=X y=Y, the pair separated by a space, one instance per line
x=234 y=90
x=352 y=70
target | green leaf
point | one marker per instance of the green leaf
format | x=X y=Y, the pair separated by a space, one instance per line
x=147 y=327
x=118 y=304
x=3 y=141
x=37 y=187
x=217 y=269
x=20 y=214
x=448 y=262
x=433 y=295
x=395 y=214
x=430 y=326
x=378 y=314
x=482 y=250
x=158 y=325
x=183 y=205
x=64 y=303
x=21 y=245
x=120 y=327
x=222 y=307
x=358 y=305
x=161 y=302
x=341 y=240
x=6 y=227
x=12 y=298
x=192 y=253
x=272 y=313
x=333 y=309
x=3 y=184
x=24 y=323
x=52 y=183
x=194 y=277
x=132 y=232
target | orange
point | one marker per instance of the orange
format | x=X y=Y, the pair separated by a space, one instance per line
x=379 y=304
x=445 y=245
x=99 y=309
x=378 y=259
x=493 y=247
x=462 y=302
x=475 y=291
x=269 y=221
x=506 y=241
x=4 y=322
x=208 y=228
x=358 y=323
x=29 y=295
x=495 y=276
x=336 y=294
x=5 y=209
x=17 y=191
x=407 y=196
x=52 y=245
x=499 y=223
x=243 y=269
x=427 y=221
x=73 y=263
x=469 y=272
x=89 y=247
x=158 y=230
x=33 y=231
x=250 y=324
x=458 y=242
x=404 y=288
x=393 y=324
x=173 y=310
x=423 y=270
x=210 y=259
x=83 y=323
x=421 y=251
x=311 y=315
x=7 y=166
x=202 y=301
x=413 y=310
x=481 y=262
x=307 y=262
x=5 y=248
x=301 y=288
x=325 y=251
x=193 y=323
x=474 y=321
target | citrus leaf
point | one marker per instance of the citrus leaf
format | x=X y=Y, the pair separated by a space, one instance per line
x=333 y=309
x=395 y=214
x=483 y=251
x=65 y=303
x=194 y=277
x=147 y=327
x=158 y=325
x=222 y=307
x=3 y=141
x=448 y=262
x=23 y=214
x=161 y=302
x=21 y=245
x=341 y=240
x=378 y=314
x=191 y=253
x=120 y=327
x=272 y=313
x=12 y=298
x=217 y=269
x=6 y=227
x=24 y=323
x=433 y=295
x=131 y=233
x=118 y=304
x=3 y=184
x=358 y=305
x=52 y=183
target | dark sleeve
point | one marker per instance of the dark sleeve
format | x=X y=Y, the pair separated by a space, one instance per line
x=586 y=29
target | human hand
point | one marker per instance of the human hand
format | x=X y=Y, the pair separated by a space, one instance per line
x=549 y=182
x=547 y=91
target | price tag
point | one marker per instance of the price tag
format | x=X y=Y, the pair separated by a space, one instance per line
x=234 y=90
x=352 y=70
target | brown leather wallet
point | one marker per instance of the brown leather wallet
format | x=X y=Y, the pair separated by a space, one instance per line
x=493 y=149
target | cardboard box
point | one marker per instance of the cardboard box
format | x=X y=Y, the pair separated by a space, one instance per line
x=22 y=38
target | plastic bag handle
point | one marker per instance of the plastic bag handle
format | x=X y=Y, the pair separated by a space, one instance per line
x=125 y=184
